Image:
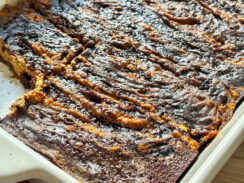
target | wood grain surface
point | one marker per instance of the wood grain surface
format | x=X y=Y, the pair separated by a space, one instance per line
x=233 y=171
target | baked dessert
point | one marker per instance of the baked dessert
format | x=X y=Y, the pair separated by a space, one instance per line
x=123 y=90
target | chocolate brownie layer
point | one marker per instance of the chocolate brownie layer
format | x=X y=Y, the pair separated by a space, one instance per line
x=141 y=44
x=130 y=90
x=33 y=45
x=98 y=152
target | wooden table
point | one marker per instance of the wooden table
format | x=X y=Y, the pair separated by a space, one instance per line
x=233 y=171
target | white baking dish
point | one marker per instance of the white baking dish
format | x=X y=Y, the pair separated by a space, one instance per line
x=18 y=162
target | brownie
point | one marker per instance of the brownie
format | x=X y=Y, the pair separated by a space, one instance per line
x=131 y=91
x=33 y=45
x=99 y=152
